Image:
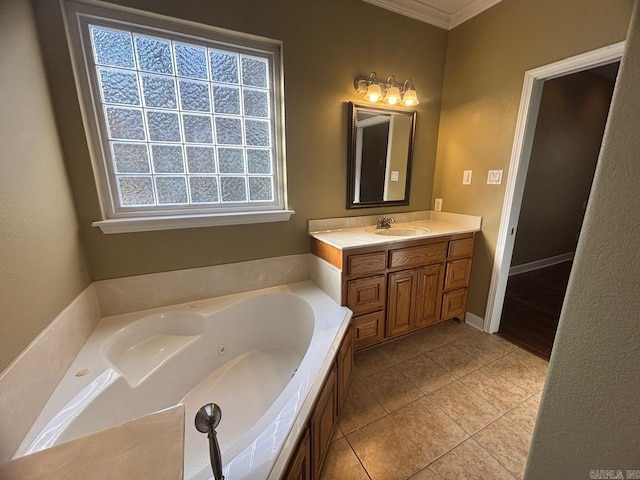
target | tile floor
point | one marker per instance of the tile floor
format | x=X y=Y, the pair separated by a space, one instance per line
x=449 y=402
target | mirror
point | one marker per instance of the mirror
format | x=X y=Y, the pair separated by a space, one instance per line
x=380 y=156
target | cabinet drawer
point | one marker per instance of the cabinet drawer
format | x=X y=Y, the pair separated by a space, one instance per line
x=458 y=274
x=368 y=329
x=454 y=304
x=367 y=263
x=417 y=256
x=366 y=294
x=460 y=248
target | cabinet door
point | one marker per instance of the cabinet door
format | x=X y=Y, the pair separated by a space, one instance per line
x=401 y=302
x=322 y=422
x=300 y=464
x=429 y=295
x=345 y=366
x=368 y=329
x=366 y=294
x=454 y=304
x=458 y=274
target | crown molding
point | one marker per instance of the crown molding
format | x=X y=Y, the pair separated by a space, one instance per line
x=434 y=16
x=416 y=10
x=475 y=7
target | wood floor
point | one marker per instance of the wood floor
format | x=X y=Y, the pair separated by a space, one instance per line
x=532 y=307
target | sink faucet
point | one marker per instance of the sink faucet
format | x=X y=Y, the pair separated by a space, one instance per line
x=207 y=419
x=385 y=222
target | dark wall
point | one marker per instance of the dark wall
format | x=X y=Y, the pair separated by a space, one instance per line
x=573 y=114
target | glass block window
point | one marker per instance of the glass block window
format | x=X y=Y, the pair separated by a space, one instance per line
x=185 y=122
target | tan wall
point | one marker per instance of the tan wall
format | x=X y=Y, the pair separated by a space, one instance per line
x=327 y=44
x=573 y=113
x=588 y=418
x=41 y=263
x=487 y=57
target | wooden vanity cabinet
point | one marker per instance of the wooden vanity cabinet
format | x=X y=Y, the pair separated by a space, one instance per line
x=398 y=287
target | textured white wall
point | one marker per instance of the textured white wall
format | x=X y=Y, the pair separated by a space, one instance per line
x=589 y=416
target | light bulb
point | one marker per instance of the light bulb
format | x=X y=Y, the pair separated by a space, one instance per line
x=410 y=98
x=374 y=93
x=393 y=95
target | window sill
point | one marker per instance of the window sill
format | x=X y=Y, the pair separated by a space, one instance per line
x=149 y=224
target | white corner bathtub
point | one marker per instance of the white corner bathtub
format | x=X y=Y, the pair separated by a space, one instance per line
x=261 y=356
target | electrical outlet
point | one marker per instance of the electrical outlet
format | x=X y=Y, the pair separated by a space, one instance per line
x=494 y=177
x=438 y=205
x=466 y=177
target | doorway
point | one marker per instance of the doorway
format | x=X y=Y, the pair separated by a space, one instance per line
x=521 y=154
x=568 y=136
x=375 y=139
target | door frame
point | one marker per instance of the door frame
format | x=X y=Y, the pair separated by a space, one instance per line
x=360 y=126
x=525 y=129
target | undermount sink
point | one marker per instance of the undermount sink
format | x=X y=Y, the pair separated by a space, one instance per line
x=398 y=231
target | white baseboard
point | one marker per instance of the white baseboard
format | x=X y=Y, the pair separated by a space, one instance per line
x=538 y=264
x=474 y=320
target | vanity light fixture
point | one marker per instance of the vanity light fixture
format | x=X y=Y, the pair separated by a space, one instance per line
x=374 y=90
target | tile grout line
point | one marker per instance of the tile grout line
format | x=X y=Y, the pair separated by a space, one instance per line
x=516 y=424
x=517 y=477
x=375 y=420
x=499 y=351
x=492 y=456
x=356 y=455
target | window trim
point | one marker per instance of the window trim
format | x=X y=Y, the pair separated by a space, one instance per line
x=172 y=222
x=116 y=219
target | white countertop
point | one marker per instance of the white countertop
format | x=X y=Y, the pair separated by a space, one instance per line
x=437 y=224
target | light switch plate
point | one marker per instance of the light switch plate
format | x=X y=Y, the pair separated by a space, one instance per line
x=394 y=175
x=438 y=205
x=466 y=177
x=494 y=177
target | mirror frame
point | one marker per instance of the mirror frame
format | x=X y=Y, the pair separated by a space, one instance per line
x=351 y=155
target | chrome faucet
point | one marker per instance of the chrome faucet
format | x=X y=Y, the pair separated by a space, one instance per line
x=385 y=222
x=207 y=419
